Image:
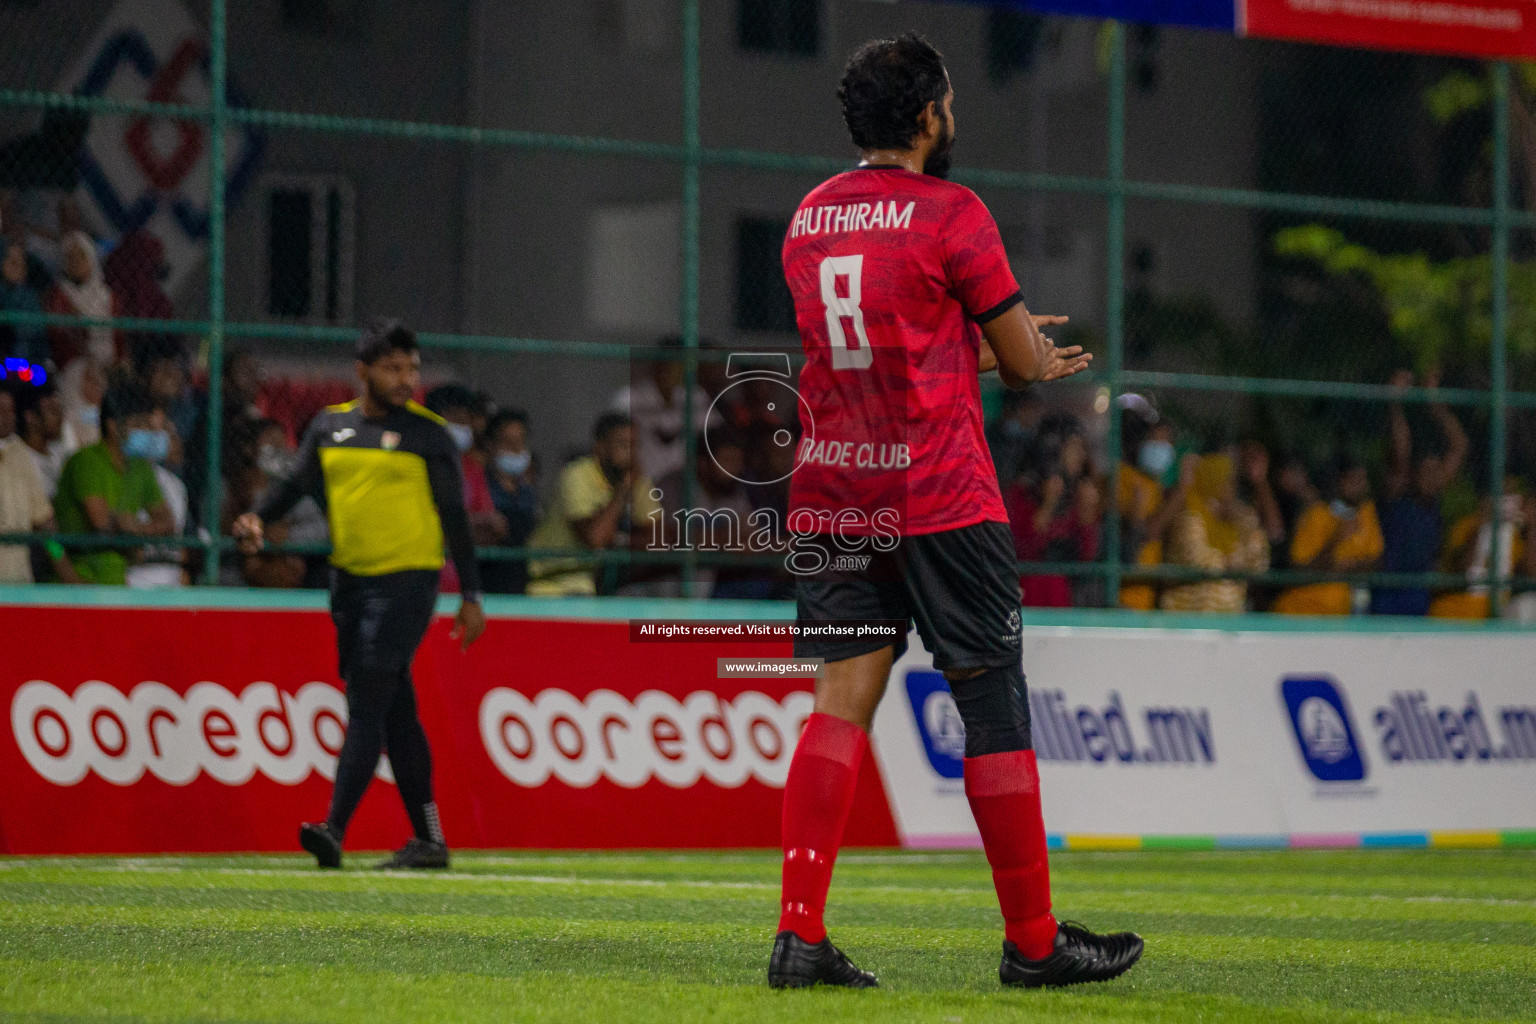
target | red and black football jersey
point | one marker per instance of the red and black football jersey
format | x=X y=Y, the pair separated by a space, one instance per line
x=892 y=272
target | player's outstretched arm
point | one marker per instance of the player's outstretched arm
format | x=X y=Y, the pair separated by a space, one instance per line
x=1023 y=355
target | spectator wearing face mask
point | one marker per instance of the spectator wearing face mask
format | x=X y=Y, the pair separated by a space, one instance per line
x=1012 y=436
x=1153 y=491
x=81 y=290
x=460 y=407
x=21 y=341
x=109 y=488
x=510 y=476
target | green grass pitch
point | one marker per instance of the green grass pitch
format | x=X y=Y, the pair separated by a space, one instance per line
x=1231 y=936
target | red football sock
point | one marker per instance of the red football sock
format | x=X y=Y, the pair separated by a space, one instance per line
x=1004 y=791
x=817 y=797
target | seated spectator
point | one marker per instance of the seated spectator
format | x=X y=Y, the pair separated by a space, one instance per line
x=510 y=477
x=82 y=291
x=1469 y=550
x=1342 y=535
x=654 y=404
x=1256 y=491
x=40 y=424
x=82 y=384
x=1522 y=606
x=17 y=295
x=1054 y=514
x=163 y=373
x=24 y=506
x=1011 y=436
x=602 y=502
x=165 y=566
x=241 y=385
x=1294 y=493
x=133 y=271
x=715 y=519
x=461 y=408
x=259 y=466
x=1150 y=494
x=109 y=488
x=1411 y=526
x=1216 y=532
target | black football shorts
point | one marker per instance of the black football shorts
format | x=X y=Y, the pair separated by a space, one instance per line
x=960 y=586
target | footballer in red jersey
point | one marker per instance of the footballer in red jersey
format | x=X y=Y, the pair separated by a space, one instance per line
x=903 y=296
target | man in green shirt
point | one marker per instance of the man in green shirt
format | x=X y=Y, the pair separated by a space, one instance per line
x=109 y=488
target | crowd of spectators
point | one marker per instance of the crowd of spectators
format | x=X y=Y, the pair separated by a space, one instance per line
x=112 y=445
x=1245 y=509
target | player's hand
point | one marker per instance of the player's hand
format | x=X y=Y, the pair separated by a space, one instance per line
x=468 y=624
x=250 y=532
x=1064 y=362
x=1047 y=320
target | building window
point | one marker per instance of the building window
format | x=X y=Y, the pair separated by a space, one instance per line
x=310 y=221
x=635 y=267
x=763 y=302
x=791 y=27
x=1013 y=41
x=306 y=15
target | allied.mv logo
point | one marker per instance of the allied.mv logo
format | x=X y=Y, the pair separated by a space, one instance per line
x=938 y=722
x=1324 y=733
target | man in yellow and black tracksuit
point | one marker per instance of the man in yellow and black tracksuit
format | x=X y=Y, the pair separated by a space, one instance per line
x=387 y=472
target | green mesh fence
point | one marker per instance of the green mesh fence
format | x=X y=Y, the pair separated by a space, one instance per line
x=1310 y=260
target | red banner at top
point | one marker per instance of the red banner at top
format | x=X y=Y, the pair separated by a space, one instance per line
x=1481 y=28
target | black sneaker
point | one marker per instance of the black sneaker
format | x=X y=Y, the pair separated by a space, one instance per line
x=417 y=853
x=322 y=842
x=1080 y=956
x=799 y=964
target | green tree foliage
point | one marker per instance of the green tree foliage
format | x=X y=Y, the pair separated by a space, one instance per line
x=1440 y=311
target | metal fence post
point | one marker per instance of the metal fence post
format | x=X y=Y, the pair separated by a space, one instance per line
x=1498 y=347
x=1114 y=307
x=692 y=160
x=213 y=490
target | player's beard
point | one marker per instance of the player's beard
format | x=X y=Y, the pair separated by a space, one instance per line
x=386 y=398
x=938 y=160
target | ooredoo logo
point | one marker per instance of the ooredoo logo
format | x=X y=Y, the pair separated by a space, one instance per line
x=1323 y=728
x=175 y=737
x=631 y=742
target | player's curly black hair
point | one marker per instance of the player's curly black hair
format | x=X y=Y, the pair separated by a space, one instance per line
x=886 y=84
